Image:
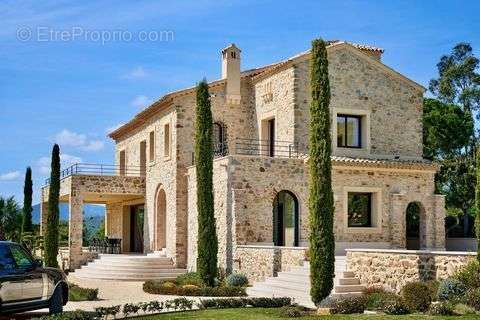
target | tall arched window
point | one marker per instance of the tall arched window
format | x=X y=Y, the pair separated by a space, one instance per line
x=219 y=139
x=285 y=219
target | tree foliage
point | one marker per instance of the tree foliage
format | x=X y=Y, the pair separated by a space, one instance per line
x=27 y=225
x=53 y=215
x=207 y=235
x=477 y=204
x=10 y=219
x=321 y=210
x=450 y=137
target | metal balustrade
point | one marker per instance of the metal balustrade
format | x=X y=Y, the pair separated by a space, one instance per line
x=100 y=169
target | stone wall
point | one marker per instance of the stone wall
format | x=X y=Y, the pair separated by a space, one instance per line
x=259 y=262
x=358 y=83
x=392 y=269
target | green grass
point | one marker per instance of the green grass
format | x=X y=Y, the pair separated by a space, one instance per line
x=267 y=314
x=76 y=293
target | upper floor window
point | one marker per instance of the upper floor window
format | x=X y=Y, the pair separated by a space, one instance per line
x=349 y=131
x=166 y=141
x=151 y=143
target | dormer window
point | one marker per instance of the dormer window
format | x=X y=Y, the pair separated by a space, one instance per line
x=349 y=131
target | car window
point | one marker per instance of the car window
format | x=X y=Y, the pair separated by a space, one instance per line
x=7 y=263
x=21 y=257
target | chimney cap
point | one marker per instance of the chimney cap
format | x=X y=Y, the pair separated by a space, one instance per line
x=231 y=46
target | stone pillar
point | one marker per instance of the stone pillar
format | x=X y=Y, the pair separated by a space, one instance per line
x=43 y=216
x=398 y=205
x=75 y=228
x=427 y=224
x=114 y=220
x=439 y=221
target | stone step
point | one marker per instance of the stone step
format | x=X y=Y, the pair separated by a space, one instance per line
x=137 y=277
x=350 y=288
x=108 y=265
x=142 y=259
x=92 y=269
x=336 y=294
x=348 y=274
x=348 y=281
x=283 y=292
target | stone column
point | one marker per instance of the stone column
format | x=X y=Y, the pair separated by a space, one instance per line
x=398 y=206
x=439 y=221
x=75 y=228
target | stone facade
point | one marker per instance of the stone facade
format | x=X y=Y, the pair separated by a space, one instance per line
x=392 y=269
x=160 y=140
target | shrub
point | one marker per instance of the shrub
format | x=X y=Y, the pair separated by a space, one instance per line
x=104 y=312
x=378 y=300
x=433 y=288
x=416 y=296
x=244 y=302
x=236 y=280
x=462 y=309
x=293 y=311
x=441 y=309
x=189 y=278
x=69 y=315
x=397 y=307
x=182 y=304
x=469 y=275
x=76 y=293
x=472 y=298
x=450 y=289
x=349 y=305
x=131 y=308
x=169 y=288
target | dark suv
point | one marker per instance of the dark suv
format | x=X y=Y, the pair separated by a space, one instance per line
x=26 y=285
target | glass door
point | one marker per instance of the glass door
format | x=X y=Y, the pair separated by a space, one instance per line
x=136 y=228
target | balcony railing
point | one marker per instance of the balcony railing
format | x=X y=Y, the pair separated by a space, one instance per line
x=267 y=148
x=100 y=169
x=255 y=147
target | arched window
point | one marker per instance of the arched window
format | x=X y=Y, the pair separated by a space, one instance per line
x=219 y=139
x=285 y=219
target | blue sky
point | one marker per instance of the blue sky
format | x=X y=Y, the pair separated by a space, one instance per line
x=60 y=83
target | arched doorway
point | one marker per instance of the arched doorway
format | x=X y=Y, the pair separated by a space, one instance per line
x=415 y=226
x=285 y=219
x=160 y=220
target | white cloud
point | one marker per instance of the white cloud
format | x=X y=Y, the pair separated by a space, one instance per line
x=66 y=138
x=136 y=73
x=141 y=101
x=10 y=176
x=66 y=160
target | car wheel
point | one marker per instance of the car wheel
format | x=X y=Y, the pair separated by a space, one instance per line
x=56 y=301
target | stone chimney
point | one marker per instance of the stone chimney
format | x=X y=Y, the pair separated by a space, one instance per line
x=231 y=73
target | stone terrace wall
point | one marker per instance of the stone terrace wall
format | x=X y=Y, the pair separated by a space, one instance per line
x=392 y=269
x=259 y=262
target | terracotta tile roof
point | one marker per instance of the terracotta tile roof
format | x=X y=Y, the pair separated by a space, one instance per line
x=385 y=163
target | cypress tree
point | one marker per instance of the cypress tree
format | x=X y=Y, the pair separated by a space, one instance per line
x=320 y=202
x=207 y=243
x=27 y=225
x=51 y=232
x=477 y=202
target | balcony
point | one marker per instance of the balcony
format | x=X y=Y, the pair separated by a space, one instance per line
x=255 y=147
x=100 y=170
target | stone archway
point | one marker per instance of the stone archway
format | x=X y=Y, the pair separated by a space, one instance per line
x=160 y=219
x=415 y=226
x=285 y=219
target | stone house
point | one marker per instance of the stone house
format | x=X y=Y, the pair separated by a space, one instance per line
x=261 y=121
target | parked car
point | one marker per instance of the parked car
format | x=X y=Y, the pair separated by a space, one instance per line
x=26 y=285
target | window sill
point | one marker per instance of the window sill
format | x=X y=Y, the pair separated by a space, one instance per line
x=363 y=230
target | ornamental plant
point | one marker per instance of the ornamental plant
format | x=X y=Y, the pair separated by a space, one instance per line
x=51 y=230
x=320 y=202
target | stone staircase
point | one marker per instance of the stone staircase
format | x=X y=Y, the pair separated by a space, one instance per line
x=130 y=267
x=296 y=284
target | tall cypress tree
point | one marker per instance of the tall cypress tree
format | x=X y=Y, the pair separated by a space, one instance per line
x=477 y=202
x=27 y=225
x=320 y=202
x=207 y=242
x=51 y=232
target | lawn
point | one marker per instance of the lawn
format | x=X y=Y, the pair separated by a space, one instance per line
x=267 y=314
